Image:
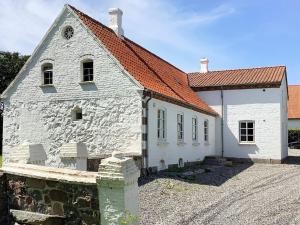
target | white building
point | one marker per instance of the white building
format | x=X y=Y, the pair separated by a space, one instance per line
x=294 y=106
x=87 y=90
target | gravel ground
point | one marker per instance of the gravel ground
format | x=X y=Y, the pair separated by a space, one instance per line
x=241 y=194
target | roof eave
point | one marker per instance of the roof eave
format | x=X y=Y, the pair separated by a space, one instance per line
x=181 y=103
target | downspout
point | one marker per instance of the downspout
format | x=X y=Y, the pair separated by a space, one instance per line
x=222 y=122
x=146 y=158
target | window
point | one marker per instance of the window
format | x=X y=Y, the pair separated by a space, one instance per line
x=47 y=74
x=77 y=114
x=161 y=124
x=246 y=131
x=206 y=130
x=180 y=127
x=194 y=129
x=87 y=71
x=68 y=32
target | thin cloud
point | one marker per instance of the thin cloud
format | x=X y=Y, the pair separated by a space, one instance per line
x=158 y=24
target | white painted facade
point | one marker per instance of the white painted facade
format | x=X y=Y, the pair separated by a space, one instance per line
x=170 y=150
x=266 y=107
x=293 y=123
x=42 y=114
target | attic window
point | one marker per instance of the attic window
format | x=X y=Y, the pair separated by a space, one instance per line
x=87 y=70
x=47 y=70
x=77 y=114
x=68 y=32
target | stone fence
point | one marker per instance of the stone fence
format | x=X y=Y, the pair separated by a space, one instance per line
x=33 y=194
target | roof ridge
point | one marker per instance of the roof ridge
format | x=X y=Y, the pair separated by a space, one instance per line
x=91 y=18
x=250 y=68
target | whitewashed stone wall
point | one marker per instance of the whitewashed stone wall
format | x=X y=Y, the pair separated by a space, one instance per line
x=170 y=151
x=111 y=105
x=264 y=107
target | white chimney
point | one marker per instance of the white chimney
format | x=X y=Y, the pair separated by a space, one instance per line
x=204 y=65
x=115 y=21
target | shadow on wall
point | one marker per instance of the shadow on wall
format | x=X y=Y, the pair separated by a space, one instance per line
x=232 y=146
x=88 y=86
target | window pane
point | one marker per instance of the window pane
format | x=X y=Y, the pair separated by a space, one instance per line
x=243 y=138
x=250 y=138
x=243 y=131
x=243 y=125
x=250 y=125
x=250 y=132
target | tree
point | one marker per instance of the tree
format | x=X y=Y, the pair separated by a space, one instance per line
x=10 y=65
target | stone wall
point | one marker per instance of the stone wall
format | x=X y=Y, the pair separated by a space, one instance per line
x=3 y=200
x=77 y=202
x=52 y=193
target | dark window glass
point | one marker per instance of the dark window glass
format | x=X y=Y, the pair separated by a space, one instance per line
x=48 y=74
x=88 y=71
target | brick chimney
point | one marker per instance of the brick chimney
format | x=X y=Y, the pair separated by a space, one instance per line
x=115 y=21
x=204 y=65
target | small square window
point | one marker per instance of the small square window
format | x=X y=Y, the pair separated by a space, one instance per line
x=247 y=131
x=77 y=114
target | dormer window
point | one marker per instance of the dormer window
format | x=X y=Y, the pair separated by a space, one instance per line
x=47 y=70
x=87 y=71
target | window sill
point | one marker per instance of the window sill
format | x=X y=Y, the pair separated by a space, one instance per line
x=86 y=82
x=46 y=85
x=181 y=143
x=162 y=143
x=196 y=144
x=247 y=143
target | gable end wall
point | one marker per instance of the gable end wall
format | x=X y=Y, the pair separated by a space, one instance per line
x=112 y=106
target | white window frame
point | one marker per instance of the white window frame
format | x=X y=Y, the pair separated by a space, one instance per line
x=47 y=72
x=194 y=129
x=90 y=71
x=161 y=124
x=206 y=130
x=180 y=127
x=246 y=128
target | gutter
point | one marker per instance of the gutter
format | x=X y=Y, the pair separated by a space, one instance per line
x=145 y=155
x=222 y=122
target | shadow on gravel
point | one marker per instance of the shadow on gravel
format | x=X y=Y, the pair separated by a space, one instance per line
x=214 y=175
x=294 y=160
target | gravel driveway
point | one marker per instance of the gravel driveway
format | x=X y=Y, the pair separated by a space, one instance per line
x=240 y=194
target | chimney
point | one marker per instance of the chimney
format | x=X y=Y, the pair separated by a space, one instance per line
x=115 y=21
x=204 y=65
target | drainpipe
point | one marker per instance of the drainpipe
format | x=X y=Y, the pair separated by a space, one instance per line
x=222 y=122
x=146 y=158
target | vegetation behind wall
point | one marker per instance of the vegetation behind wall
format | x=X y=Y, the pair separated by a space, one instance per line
x=294 y=135
x=10 y=65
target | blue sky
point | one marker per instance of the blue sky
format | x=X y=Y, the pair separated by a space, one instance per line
x=232 y=34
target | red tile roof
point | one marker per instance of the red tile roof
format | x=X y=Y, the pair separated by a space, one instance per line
x=294 y=102
x=154 y=73
x=239 y=78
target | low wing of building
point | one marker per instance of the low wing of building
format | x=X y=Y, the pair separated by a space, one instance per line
x=252 y=104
